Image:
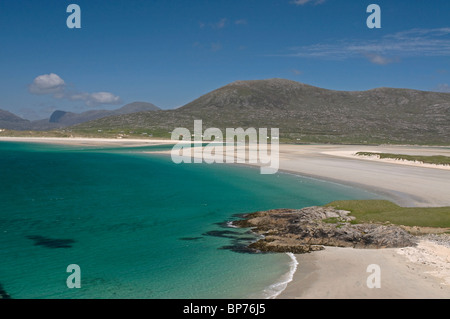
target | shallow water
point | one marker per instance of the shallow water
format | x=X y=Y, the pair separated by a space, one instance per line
x=138 y=225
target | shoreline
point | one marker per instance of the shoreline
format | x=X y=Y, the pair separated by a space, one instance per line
x=337 y=273
x=391 y=180
x=345 y=268
x=85 y=141
x=276 y=289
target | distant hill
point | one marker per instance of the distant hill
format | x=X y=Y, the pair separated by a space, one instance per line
x=11 y=121
x=69 y=118
x=304 y=113
x=137 y=107
x=60 y=119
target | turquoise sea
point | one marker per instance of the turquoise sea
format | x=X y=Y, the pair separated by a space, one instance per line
x=138 y=225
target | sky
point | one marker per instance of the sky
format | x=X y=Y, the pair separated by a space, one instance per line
x=170 y=52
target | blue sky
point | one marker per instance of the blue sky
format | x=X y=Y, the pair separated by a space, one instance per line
x=169 y=52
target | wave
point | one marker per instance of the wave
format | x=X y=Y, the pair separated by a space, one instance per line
x=230 y=224
x=277 y=288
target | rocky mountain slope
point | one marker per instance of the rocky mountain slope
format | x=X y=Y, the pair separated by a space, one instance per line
x=306 y=113
x=61 y=119
x=12 y=121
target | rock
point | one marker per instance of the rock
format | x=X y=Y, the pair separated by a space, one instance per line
x=311 y=228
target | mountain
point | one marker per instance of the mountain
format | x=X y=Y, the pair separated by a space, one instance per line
x=60 y=119
x=11 y=121
x=68 y=118
x=137 y=107
x=305 y=113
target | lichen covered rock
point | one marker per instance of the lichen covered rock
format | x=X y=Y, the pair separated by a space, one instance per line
x=310 y=229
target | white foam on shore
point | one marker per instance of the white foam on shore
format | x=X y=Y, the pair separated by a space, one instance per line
x=230 y=224
x=277 y=288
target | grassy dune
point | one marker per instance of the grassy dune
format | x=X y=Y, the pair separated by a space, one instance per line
x=437 y=159
x=381 y=211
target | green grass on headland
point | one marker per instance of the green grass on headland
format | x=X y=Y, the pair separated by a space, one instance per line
x=437 y=159
x=381 y=211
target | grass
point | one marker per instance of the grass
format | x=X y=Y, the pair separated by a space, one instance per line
x=332 y=220
x=382 y=211
x=437 y=159
x=12 y=133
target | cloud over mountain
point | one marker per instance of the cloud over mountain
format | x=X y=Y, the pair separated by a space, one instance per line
x=53 y=84
x=47 y=84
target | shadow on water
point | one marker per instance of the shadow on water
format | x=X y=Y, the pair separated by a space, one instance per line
x=51 y=242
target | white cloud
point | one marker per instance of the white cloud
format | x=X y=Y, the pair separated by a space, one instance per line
x=55 y=85
x=47 y=84
x=220 y=24
x=240 y=22
x=445 y=88
x=216 y=46
x=379 y=59
x=102 y=98
x=93 y=99
x=303 y=2
x=410 y=43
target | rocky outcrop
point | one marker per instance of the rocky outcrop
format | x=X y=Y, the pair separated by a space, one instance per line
x=312 y=228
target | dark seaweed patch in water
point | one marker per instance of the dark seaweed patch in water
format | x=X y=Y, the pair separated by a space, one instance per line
x=240 y=248
x=222 y=233
x=191 y=238
x=3 y=293
x=240 y=215
x=132 y=226
x=51 y=242
x=250 y=238
x=239 y=241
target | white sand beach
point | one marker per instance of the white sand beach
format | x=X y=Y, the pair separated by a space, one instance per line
x=413 y=272
x=408 y=185
x=416 y=272
x=341 y=273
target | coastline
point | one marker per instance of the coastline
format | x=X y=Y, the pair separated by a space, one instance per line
x=412 y=185
x=341 y=272
x=336 y=273
x=87 y=141
x=408 y=185
x=276 y=289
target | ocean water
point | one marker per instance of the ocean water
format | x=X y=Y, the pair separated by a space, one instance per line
x=138 y=225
